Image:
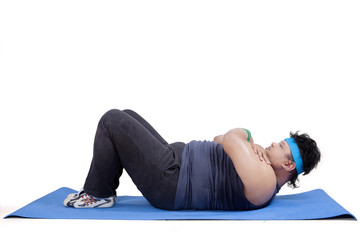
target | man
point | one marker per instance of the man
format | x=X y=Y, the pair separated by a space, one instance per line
x=224 y=174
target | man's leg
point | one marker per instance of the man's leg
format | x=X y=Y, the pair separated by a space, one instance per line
x=123 y=142
x=147 y=125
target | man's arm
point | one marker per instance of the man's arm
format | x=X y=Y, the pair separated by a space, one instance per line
x=220 y=139
x=259 y=178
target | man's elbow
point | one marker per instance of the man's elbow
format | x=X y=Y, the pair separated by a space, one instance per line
x=231 y=138
x=234 y=134
x=234 y=139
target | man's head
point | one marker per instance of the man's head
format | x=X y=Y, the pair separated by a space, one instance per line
x=309 y=152
x=281 y=156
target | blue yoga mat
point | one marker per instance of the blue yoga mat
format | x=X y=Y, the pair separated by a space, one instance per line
x=315 y=204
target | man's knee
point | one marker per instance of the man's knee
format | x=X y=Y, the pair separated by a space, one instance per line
x=129 y=111
x=111 y=114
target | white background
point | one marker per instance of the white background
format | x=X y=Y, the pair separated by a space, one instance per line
x=193 y=69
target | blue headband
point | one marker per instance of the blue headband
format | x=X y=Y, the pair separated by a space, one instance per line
x=295 y=152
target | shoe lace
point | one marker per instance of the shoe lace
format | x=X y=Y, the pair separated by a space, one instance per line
x=88 y=199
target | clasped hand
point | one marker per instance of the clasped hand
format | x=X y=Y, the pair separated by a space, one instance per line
x=260 y=151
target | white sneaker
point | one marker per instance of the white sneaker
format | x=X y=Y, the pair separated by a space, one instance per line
x=84 y=200
x=72 y=197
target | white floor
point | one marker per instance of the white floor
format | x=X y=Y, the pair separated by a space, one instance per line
x=104 y=229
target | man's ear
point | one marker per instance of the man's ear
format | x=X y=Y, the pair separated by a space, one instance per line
x=289 y=165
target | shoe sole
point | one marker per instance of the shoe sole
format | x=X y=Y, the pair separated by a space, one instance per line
x=101 y=205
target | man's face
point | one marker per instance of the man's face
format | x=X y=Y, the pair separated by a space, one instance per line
x=278 y=153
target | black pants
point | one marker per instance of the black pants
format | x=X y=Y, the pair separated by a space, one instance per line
x=125 y=140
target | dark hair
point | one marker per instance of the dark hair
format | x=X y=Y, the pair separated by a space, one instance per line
x=309 y=152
